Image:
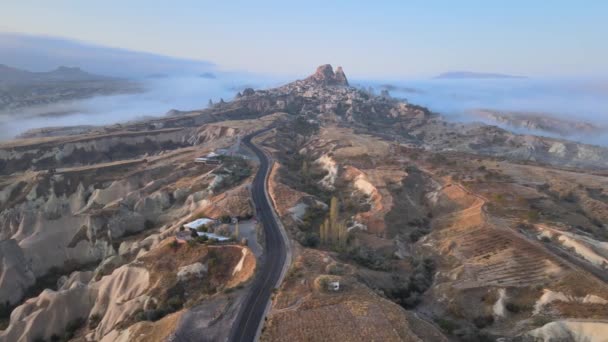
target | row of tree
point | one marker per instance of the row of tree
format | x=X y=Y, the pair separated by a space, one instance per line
x=333 y=231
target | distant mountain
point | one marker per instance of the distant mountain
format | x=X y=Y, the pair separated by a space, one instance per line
x=40 y=53
x=473 y=75
x=21 y=88
x=10 y=75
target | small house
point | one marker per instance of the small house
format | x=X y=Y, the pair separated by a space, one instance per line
x=198 y=223
x=195 y=225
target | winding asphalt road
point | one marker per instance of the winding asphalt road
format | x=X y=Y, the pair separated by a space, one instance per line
x=253 y=309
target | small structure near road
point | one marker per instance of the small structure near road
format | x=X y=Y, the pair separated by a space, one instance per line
x=199 y=223
x=200 y=227
x=333 y=286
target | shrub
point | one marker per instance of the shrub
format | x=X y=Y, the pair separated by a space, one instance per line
x=175 y=303
x=512 y=307
x=533 y=215
x=483 y=321
x=417 y=234
x=447 y=325
x=308 y=239
x=368 y=258
x=94 y=321
x=148 y=224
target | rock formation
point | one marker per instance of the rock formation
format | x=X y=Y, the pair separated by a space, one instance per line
x=325 y=76
x=16 y=276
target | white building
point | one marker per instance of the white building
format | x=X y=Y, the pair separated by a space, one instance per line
x=196 y=224
x=210 y=158
x=201 y=222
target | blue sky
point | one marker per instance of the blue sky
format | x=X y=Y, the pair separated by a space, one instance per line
x=389 y=39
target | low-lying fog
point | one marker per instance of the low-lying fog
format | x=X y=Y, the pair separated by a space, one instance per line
x=572 y=100
x=455 y=99
x=161 y=95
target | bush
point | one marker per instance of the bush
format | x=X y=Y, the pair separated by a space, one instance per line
x=483 y=321
x=172 y=305
x=408 y=293
x=447 y=325
x=148 y=224
x=308 y=239
x=368 y=258
x=533 y=215
x=417 y=234
x=94 y=321
x=512 y=307
x=175 y=303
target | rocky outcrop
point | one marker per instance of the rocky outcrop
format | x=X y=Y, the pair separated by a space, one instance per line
x=112 y=300
x=16 y=276
x=340 y=76
x=325 y=76
x=48 y=314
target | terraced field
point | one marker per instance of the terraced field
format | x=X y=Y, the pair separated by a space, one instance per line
x=491 y=254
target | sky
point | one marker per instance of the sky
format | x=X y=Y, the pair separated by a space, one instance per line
x=381 y=39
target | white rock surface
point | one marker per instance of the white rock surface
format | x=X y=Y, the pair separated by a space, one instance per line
x=197 y=270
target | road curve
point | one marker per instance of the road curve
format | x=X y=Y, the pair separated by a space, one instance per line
x=253 y=309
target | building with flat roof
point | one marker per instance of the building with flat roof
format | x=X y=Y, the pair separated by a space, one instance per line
x=196 y=224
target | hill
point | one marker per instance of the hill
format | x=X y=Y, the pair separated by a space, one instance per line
x=21 y=88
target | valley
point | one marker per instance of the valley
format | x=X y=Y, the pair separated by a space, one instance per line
x=400 y=226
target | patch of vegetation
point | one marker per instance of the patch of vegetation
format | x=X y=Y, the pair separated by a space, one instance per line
x=367 y=257
x=408 y=293
x=421 y=228
x=70 y=331
x=94 y=321
x=304 y=126
x=170 y=306
x=234 y=169
x=483 y=321
x=447 y=325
